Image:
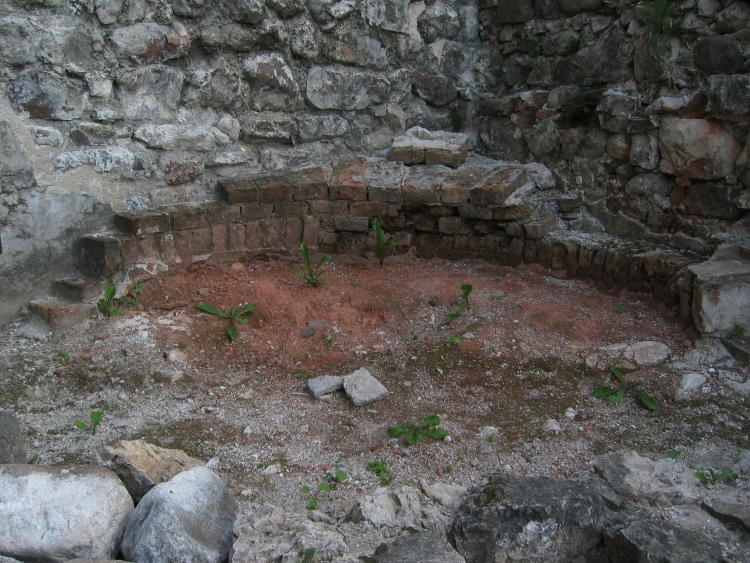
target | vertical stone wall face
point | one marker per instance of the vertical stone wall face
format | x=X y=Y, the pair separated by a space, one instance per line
x=642 y=115
x=640 y=107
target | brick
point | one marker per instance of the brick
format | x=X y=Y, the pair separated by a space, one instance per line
x=309 y=183
x=187 y=216
x=426 y=244
x=167 y=250
x=239 y=190
x=221 y=213
x=408 y=154
x=61 y=314
x=390 y=222
x=455 y=188
x=220 y=237
x=497 y=185
x=311 y=231
x=326 y=206
x=529 y=252
x=272 y=233
x=79 y=289
x=353 y=224
x=475 y=212
x=237 y=236
x=390 y=194
x=394 y=210
x=253 y=236
x=423 y=222
x=140 y=222
x=290 y=209
x=368 y=209
x=454 y=225
x=515 y=252
x=539 y=228
x=441 y=210
x=192 y=243
x=513 y=213
x=249 y=211
x=292 y=233
x=348 y=180
x=129 y=252
x=422 y=184
x=100 y=255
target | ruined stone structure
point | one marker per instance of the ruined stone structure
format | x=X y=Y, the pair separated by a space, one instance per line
x=189 y=129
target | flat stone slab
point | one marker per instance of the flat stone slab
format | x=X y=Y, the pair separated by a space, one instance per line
x=420 y=146
x=363 y=389
x=417 y=548
x=721 y=298
x=324 y=384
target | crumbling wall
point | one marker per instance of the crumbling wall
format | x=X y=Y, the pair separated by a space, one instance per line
x=124 y=105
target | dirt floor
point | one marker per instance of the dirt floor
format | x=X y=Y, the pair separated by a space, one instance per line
x=495 y=375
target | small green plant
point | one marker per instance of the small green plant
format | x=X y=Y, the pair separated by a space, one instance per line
x=380 y=469
x=713 y=477
x=658 y=17
x=673 y=454
x=738 y=331
x=235 y=315
x=33 y=459
x=64 y=356
x=448 y=469
x=313 y=276
x=137 y=288
x=414 y=433
x=95 y=418
x=463 y=303
x=107 y=304
x=453 y=341
x=620 y=307
x=308 y=555
x=615 y=394
x=383 y=243
x=312 y=504
x=327 y=340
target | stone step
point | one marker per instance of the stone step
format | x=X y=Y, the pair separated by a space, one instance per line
x=60 y=313
x=80 y=289
x=739 y=348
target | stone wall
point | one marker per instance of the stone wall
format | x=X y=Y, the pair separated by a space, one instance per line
x=125 y=105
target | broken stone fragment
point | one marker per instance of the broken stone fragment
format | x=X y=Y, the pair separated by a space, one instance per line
x=324 y=384
x=363 y=389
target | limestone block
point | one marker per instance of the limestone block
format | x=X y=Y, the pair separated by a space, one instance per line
x=697 y=148
x=419 y=146
x=362 y=388
x=46 y=95
x=358 y=49
x=183 y=137
x=721 y=295
x=345 y=89
x=324 y=384
x=150 y=92
x=655 y=540
x=272 y=83
x=422 y=184
x=60 y=513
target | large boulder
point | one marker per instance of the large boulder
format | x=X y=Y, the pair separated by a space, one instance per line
x=418 y=548
x=533 y=519
x=60 y=513
x=188 y=518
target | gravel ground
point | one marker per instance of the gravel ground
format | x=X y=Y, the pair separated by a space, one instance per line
x=508 y=378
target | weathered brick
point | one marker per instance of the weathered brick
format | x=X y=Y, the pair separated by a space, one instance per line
x=250 y=211
x=311 y=231
x=348 y=193
x=129 y=253
x=318 y=206
x=423 y=222
x=496 y=186
x=167 y=250
x=422 y=184
x=475 y=212
x=441 y=210
x=292 y=233
x=239 y=190
x=220 y=237
x=253 y=235
x=100 y=255
x=62 y=314
x=530 y=252
x=368 y=209
x=237 y=237
x=515 y=252
x=309 y=183
x=354 y=224
x=455 y=188
x=454 y=225
x=272 y=233
x=187 y=216
x=426 y=244
x=513 y=213
x=390 y=194
x=348 y=179
x=140 y=222
x=391 y=222
x=193 y=243
x=290 y=209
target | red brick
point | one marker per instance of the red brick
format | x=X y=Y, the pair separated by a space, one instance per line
x=220 y=235
x=354 y=224
x=139 y=222
x=325 y=206
x=309 y=183
x=187 y=216
x=272 y=233
x=62 y=314
x=253 y=238
x=311 y=235
x=100 y=255
x=347 y=180
x=256 y=211
x=290 y=209
x=292 y=233
x=367 y=209
x=239 y=190
x=237 y=239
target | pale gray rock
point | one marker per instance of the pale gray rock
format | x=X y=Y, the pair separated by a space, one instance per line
x=150 y=92
x=662 y=481
x=445 y=493
x=644 y=151
x=190 y=517
x=344 y=89
x=437 y=90
x=230 y=126
x=363 y=389
x=247 y=11
x=141 y=466
x=286 y=8
x=46 y=136
x=110 y=159
x=213 y=82
x=390 y=15
x=402 y=509
x=145 y=40
x=306 y=40
x=268 y=126
x=419 y=548
x=316 y=127
x=108 y=10
x=358 y=49
x=697 y=148
x=438 y=21
x=647 y=353
x=324 y=384
x=729 y=96
x=60 y=513
x=46 y=95
x=266 y=534
x=184 y=137
x=272 y=84
x=12 y=449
